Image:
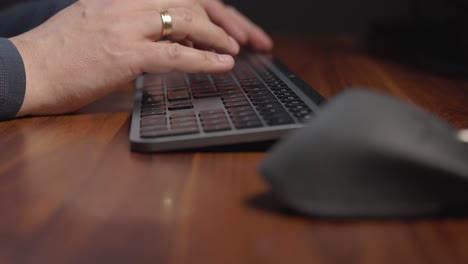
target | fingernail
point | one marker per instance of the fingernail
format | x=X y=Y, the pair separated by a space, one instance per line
x=224 y=58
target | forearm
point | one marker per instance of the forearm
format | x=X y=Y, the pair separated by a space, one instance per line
x=12 y=80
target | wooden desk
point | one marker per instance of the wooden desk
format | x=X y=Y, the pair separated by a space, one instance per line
x=72 y=192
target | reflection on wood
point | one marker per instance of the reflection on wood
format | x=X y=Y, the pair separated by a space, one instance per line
x=72 y=192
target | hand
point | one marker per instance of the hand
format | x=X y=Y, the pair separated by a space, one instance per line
x=237 y=25
x=91 y=47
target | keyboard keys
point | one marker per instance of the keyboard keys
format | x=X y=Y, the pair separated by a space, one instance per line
x=178 y=95
x=185 y=125
x=237 y=109
x=216 y=127
x=254 y=89
x=237 y=103
x=170 y=102
x=166 y=133
x=147 y=99
x=153 y=120
x=244 y=117
x=151 y=128
x=235 y=99
x=183 y=119
x=182 y=114
x=152 y=125
x=180 y=124
x=207 y=94
x=177 y=89
x=242 y=113
x=268 y=106
x=264 y=101
x=214 y=120
x=156 y=111
x=271 y=111
x=151 y=105
x=211 y=112
x=213 y=117
x=232 y=95
x=281 y=119
x=305 y=118
x=247 y=124
x=179 y=105
x=156 y=94
x=200 y=84
x=202 y=87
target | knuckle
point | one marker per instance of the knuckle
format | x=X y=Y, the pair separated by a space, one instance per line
x=205 y=57
x=114 y=45
x=174 y=51
x=187 y=15
x=134 y=69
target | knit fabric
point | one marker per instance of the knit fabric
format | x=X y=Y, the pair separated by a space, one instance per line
x=12 y=80
x=16 y=20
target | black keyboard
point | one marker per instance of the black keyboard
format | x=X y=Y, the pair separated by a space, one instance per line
x=178 y=110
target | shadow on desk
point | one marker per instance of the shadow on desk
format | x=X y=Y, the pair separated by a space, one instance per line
x=269 y=203
x=261 y=146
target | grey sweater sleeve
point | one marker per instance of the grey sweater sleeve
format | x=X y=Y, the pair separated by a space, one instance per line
x=13 y=21
x=12 y=80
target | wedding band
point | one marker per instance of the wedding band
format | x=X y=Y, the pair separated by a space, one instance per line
x=166 y=24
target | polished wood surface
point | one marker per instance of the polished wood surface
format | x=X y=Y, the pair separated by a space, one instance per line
x=72 y=192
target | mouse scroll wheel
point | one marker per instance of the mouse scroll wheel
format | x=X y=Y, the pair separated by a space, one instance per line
x=462 y=135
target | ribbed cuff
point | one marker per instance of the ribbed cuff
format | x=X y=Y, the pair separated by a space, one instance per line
x=12 y=80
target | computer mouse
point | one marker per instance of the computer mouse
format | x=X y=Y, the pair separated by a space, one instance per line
x=366 y=154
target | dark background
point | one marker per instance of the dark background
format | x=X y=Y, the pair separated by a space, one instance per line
x=348 y=15
x=421 y=32
x=431 y=34
x=341 y=15
x=320 y=15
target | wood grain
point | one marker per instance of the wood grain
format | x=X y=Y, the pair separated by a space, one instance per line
x=72 y=192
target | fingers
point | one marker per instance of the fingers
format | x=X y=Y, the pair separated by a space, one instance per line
x=256 y=36
x=238 y=26
x=190 y=25
x=201 y=31
x=218 y=13
x=167 y=57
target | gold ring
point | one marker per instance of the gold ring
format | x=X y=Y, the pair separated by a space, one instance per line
x=166 y=24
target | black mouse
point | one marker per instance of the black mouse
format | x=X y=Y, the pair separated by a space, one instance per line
x=367 y=154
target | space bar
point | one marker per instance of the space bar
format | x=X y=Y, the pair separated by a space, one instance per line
x=167 y=133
